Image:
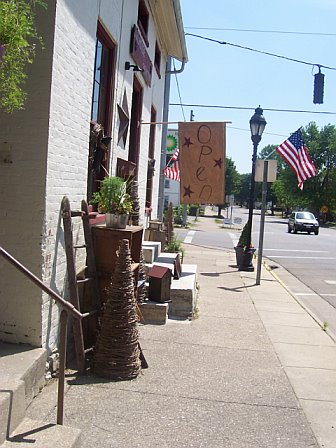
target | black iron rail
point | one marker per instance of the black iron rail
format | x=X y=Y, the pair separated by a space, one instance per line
x=68 y=308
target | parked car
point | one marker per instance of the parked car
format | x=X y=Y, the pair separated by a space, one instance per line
x=303 y=222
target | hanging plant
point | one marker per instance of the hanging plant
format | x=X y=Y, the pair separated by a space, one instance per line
x=18 y=39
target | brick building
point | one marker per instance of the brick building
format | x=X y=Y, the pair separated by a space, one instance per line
x=104 y=60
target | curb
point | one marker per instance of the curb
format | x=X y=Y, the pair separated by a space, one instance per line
x=303 y=306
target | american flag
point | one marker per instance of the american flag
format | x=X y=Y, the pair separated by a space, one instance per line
x=174 y=156
x=172 y=171
x=294 y=153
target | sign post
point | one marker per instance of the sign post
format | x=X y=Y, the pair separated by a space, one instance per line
x=268 y=170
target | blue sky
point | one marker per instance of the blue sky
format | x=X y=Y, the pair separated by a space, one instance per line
x=228 y=76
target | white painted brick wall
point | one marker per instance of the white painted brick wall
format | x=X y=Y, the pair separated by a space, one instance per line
x=49 y=151
x=70 y=112
x=22 y=196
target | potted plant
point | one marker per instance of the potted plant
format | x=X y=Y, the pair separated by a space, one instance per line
x=114 y=200
x=175 y=246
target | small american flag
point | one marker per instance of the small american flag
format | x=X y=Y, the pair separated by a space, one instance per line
x=173 y=172
x=175 y=155
x=294 y=153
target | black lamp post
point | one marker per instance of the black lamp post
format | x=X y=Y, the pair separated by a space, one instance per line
x=257 y=126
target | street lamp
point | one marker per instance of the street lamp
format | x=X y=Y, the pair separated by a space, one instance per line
x=257 y=126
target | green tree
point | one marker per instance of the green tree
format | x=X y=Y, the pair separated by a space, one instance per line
x=231 y=177
x=18 y=38
x=322 y=149
x=269 y=152
x=243 y=190
x=231 y=180
x=318 y=190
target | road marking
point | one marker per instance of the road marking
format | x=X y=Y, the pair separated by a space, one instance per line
x=304 y=258
x=305 y=294
x=234 y=239
x=329 y=295
x=330 y=282
x=299 y=250
x=189 y=237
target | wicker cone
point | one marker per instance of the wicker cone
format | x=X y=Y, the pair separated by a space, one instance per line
x=170 y=223
x=142 y=277
x=117 y=353
x=135 y=215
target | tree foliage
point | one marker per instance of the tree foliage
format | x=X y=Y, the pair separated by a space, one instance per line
x=231 y=177
x=19 y=37
x=318 y=191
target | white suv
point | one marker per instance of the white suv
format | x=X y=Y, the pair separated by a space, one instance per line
x=303 y=222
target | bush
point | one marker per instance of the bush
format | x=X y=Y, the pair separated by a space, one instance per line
x=178 y=214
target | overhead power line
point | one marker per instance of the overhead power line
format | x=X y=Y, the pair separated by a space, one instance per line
x=305 y=33
x=258 y=51
x=214 y=106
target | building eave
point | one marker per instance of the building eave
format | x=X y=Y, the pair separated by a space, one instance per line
x=167 y=17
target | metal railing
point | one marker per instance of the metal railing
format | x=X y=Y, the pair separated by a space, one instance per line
x=68 y=308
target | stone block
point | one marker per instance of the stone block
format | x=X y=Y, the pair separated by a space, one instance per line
x=154 y=313
x=12 y=405
x=183 y=294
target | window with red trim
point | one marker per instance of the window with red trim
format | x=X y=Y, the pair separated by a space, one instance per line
x=143 y=20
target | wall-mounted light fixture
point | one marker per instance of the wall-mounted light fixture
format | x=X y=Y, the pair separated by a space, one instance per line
x=136 y=68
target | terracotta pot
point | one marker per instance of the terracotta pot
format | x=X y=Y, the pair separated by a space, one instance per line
x=116 y=221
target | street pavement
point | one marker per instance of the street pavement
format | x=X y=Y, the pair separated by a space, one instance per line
x=254 y=369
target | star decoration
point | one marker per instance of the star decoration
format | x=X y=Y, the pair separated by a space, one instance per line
x=187 y=191
x=218 y=162
x=187 y=142
x=123 y=121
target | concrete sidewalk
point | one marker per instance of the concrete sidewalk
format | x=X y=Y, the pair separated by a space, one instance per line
x=253 y=370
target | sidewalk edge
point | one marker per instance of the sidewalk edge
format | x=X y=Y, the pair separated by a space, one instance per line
x=297 y=299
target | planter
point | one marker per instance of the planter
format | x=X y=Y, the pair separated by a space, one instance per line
x=193 y=210
x=246 y=264
x=116 y=221
x=239 y=254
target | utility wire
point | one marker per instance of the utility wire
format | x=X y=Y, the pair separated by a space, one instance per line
x=249 y=130
x=259 y=51
x=213 y=106
x=259 y=31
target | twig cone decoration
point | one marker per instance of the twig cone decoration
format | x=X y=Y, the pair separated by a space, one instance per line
x=135 y=215
x=117 y=353
x=170 y=223
x=142 y=277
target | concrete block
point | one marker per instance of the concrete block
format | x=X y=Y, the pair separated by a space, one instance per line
x=12 y=405
x=43 y=435
x=24 y=363
x=148 y=254
x=155 y=236
x=156 y=245
x=154 y=313
x=183 y=294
